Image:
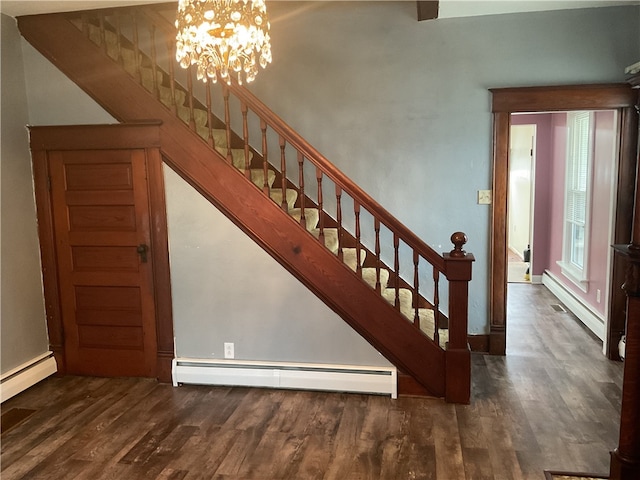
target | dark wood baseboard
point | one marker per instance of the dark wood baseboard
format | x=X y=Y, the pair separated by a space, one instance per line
x=407 y=386
x=498 y=341
x=479 y=343
x=164 y=366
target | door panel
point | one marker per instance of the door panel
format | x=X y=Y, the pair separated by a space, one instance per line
x=101 y=217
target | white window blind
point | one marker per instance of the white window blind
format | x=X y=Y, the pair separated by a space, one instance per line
x=577 y=194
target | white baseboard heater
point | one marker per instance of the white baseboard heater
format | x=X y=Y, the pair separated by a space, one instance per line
x=300 y=376
x=591 y=319
x=26 y=375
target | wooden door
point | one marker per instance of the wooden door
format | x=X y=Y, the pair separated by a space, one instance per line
x=101 y=223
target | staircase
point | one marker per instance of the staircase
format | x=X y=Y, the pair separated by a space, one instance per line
x=370 y=269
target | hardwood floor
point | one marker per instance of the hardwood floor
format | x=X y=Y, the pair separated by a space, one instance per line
x=551 y=403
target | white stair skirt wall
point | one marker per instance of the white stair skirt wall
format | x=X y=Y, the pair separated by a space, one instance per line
x=301 y=376
x=26 y=375
x=591 y=319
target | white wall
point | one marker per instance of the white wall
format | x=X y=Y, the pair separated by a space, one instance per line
x=22 y=316
x=520 y=187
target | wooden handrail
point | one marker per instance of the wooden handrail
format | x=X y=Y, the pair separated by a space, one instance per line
x=294 y=139
x=336 y=175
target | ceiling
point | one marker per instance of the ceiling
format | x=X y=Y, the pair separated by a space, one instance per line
x=447 y=8
x=15 y=8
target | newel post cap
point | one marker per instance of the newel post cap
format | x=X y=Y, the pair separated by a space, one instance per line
x=457 y=261
x=458 y=239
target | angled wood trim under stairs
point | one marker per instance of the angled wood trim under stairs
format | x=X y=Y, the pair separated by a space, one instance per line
x=244 y=204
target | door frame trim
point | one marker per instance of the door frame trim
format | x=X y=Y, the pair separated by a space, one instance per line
x=506 y=101
x=118 y=136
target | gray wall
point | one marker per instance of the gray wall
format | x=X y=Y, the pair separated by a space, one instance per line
x=227 y=289
x=22 y=317
x=392 y=102
x=396 y=102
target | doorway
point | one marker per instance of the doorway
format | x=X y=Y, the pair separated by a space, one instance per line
x=103 y=238
x=520 y=211
x=507 y=101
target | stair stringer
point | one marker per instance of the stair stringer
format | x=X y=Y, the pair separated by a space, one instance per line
x=241 y=201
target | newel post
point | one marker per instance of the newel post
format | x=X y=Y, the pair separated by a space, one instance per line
x=458 y=355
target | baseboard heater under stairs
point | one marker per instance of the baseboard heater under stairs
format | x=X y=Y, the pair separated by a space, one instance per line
x=26 y=375
x=299 y=376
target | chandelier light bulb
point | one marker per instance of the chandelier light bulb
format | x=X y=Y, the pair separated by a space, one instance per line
x=222 y=36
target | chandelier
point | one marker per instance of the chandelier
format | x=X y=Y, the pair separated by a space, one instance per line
x=223 y=36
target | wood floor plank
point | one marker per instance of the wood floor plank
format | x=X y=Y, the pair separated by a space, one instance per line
x=203 y=454
x=13 y=417
x=477 y=464
x=449 y=461
x=552 y=403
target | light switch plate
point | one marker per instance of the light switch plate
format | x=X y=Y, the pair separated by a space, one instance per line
x=484 y=197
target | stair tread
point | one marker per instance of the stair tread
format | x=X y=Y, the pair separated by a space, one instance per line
x=425 y=314
x=369 y=275
x=237 y=156
x=311 y=216
x=165 y=96
x=257 y=176
x=349 y=257
x=199 y=116
x=219 y=137
x=330 y=238
x=292 y=196
x=427 y=326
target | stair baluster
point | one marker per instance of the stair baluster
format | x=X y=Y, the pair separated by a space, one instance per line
x=171 y=47
x=303 y=217
x=136 y=48
x=283 y=173
x=118 y=26
x=245 y=137
x=396 y=269
x=320 y=206
x=192 y=118
x=265 y=158
x=416 y=289
x=154 y=61
x=103 y=39
x=339 y=221
x=436 y=306
x=376 y=227
x=227 y=121
x=210 y=139
x=356 y=212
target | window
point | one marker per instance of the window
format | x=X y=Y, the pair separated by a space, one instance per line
x=577 y=197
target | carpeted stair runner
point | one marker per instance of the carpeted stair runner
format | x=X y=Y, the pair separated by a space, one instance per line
x=257 y=176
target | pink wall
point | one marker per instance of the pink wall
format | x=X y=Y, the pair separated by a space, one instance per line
x=602 y=184
x=556 y=220
x=542 y=185
x=603 y=181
